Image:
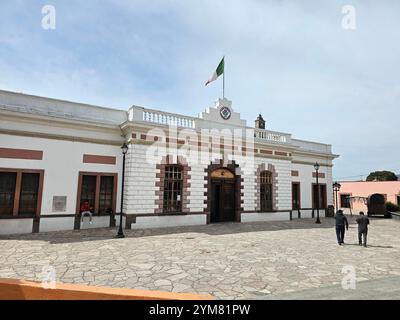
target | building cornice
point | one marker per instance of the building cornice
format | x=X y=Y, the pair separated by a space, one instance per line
x=144 y=128
x=61 y=137
x=312 y=163
x=46 y=119
x=90 y=119
x=330 y=156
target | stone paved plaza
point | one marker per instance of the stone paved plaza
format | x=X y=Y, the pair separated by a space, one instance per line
x=229 y=261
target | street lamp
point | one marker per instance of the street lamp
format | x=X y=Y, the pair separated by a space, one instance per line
x=336 y=188
x=124 y=149
x=316 y=167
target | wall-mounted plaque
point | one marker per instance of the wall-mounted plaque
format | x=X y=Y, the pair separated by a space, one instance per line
x=59 y=203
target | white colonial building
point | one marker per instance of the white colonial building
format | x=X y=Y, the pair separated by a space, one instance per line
x=179 y=170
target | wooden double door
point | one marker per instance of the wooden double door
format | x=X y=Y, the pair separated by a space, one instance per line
x=223 y=199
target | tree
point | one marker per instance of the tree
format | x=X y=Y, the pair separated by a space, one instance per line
x=382 y=176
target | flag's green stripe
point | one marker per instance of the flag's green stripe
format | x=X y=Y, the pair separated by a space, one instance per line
x=220 y=68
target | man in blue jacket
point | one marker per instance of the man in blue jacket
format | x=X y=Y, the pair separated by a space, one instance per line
x=341 y=223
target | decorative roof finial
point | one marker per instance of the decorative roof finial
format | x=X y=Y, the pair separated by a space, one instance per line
x=260 y=122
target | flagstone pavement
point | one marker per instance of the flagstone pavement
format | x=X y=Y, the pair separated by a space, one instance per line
x=229 y=261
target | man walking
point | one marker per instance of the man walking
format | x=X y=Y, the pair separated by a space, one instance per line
x=341 y=223
x=363 y=223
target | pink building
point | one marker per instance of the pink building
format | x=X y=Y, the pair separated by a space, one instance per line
x=389 y=189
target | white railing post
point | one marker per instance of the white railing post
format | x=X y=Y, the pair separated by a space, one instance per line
x=159 y=117
x=270 y=136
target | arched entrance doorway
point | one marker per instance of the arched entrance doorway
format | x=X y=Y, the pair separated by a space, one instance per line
x=377 y=205
x=222 y=196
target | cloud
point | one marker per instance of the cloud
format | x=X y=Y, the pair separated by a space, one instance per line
x=290 y=61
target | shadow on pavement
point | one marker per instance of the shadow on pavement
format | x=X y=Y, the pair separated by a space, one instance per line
x=368 y=246
x=210 y=229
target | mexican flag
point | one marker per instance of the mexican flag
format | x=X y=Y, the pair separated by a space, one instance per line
x=218 y=72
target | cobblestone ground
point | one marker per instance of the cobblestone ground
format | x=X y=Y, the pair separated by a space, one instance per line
x=229 y=261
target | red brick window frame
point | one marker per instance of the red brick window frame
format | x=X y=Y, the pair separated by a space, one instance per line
x=266 y=197
x=18 y=192
x=97 y=176
x=173 y=189
x=169 y=162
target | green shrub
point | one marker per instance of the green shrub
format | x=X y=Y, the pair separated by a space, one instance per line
x=392 y=207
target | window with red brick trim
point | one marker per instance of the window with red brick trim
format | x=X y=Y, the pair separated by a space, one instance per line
x=29 y=194
x=266 y=191
x=20 y=192
x=173 y=182
x=99 y=189
x=7 y=192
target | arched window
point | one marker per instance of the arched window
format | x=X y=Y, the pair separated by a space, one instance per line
x=172 y=189
x=266 y=191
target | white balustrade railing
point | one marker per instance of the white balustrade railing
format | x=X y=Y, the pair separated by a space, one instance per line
x=159 y=117
x=271 y=136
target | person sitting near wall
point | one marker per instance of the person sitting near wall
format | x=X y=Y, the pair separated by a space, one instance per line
x=85 y=209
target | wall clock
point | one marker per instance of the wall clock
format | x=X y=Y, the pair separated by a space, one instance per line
x=225 y=113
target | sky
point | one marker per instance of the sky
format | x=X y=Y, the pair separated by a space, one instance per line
x=291 y=61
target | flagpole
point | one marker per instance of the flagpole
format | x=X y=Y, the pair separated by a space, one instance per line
x=223 y=82
x=223 y=85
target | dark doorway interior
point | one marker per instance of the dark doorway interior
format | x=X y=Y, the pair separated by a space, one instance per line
x=296 y=196
x=377 y=205
x=222 y=199
x=321 y=197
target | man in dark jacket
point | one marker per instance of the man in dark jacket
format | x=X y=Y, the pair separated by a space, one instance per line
x=363 y=223
x=341 y=223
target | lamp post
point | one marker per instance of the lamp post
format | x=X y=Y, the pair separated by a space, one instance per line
x=124 y=149
x=336 y=188
x=316 y=167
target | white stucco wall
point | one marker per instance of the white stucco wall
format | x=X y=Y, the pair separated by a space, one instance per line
x=140 y=182
x=62 y=161
x=169 y=221
x=56 y=224
x=197 y=189
x=16 y=226
x=306 y=180
x=265 y=216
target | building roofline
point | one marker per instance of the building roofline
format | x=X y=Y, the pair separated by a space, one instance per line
x=321 y=143
x=61 y=100
x=346 y=181
x=66 y=109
